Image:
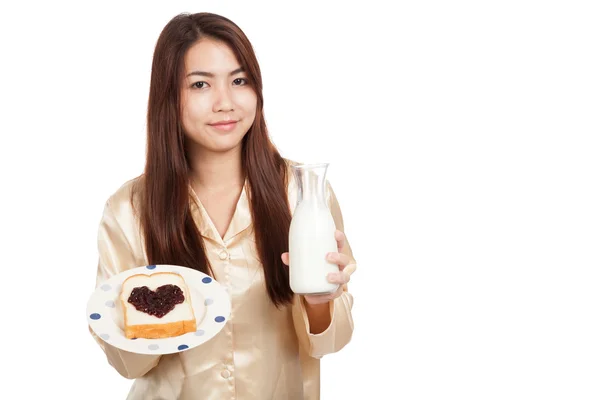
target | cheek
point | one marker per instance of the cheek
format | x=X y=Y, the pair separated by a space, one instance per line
x=248 y=103
x=196 y=110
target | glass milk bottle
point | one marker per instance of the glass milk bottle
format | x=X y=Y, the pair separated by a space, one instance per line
x=312 y=233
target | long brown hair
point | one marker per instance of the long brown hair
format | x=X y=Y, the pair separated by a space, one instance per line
x=170 y=234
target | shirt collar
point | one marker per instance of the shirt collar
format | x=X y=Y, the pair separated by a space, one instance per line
x=242 y=217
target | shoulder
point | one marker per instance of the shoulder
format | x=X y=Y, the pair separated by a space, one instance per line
x=123 y=202
x=289 y=164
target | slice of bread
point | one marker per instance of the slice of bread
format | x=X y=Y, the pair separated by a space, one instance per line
x=143 y=312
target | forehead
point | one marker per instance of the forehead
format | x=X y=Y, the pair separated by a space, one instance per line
x=210 y=56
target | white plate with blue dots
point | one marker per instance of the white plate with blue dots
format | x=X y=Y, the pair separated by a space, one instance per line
x=209 y=299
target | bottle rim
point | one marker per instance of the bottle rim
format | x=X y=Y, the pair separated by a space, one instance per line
x=306 y=166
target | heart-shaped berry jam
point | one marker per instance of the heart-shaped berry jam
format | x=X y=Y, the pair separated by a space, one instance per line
x=158 y=303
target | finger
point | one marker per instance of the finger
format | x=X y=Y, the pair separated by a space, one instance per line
x=285 y=257
x=340 y=259
x=338 y=292
x=324 y=298
x=341 y=278
x=350 y=269
x=318 y=299
x=340 y=238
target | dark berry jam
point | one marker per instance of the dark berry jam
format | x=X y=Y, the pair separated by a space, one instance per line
x=158 y=303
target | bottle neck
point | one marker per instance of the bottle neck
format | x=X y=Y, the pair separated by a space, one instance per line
x=311 y=184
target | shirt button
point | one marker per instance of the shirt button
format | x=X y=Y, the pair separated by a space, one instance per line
x=225 y=374
x=223 y=255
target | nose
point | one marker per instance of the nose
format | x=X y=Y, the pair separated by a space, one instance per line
x=223 y=100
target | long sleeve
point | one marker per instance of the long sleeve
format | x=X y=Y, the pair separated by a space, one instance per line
x=117 y=254
x=339 y=331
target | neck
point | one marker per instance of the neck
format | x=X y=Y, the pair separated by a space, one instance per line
x=214 y=171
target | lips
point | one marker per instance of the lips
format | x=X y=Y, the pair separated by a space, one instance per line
x=224 y=125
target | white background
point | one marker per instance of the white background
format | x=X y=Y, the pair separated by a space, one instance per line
x=463 y=142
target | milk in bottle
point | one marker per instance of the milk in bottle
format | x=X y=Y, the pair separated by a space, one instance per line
x=312 y=233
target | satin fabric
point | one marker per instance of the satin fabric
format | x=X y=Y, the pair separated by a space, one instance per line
x=262 y=352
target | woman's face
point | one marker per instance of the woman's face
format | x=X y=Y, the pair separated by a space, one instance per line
x=218 y=104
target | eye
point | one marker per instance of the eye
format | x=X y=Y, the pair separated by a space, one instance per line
x=240 y=81
x=199 y=85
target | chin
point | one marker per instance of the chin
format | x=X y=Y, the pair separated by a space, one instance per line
x=224 y=146
x=220 y=143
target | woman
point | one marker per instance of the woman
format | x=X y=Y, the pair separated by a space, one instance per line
x=215 y=196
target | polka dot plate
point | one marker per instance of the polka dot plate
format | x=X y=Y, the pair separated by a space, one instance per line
x=209 y=299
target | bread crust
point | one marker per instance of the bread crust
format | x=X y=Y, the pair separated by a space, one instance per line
x=158 y=331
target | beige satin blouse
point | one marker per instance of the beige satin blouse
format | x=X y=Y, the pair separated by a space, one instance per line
x=262 y=352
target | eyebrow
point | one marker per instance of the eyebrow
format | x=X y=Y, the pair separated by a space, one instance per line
x=211 y=75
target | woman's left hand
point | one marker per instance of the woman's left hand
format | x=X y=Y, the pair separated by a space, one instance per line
x=341 y=277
